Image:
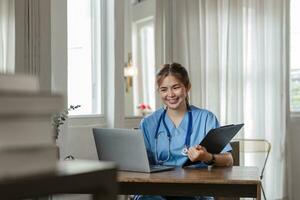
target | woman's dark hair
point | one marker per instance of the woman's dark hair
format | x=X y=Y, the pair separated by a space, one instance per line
x=176 y=70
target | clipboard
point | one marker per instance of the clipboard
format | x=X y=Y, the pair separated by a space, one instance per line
x=216 y=139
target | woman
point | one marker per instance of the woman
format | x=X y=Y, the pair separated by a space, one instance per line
x=172 y=133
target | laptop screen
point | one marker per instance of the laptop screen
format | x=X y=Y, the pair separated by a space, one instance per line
x=126 y=147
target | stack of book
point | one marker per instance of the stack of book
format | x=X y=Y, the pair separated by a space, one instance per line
x=27 y=143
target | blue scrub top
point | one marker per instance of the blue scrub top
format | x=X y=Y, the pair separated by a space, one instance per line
x=203 y=121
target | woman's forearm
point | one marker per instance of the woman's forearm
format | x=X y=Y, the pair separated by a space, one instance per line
x=223 y=160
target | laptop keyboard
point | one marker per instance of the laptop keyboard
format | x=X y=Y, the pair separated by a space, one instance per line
x=157 y=166
x=160 y=167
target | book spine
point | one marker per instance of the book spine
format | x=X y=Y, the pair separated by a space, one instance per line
x=26 y=131
x=27 y=161
x=26 y=105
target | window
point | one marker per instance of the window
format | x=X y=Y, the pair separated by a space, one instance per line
x=294 y=56
x=145 y=63
x=7 y=36
x=139 y=44
x=84 y=56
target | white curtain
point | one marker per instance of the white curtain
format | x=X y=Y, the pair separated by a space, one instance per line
x=7 y=36
x=235 y=53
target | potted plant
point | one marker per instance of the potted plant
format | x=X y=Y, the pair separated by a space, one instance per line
x=144 y=109
x=59 y=119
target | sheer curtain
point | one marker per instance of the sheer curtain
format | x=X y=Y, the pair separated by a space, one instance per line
x=235 y=53
x=7 y=36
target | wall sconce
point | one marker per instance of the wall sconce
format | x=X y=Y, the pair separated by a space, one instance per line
x=129 y=72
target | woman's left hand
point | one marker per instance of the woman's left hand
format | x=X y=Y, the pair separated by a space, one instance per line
x=198 y=153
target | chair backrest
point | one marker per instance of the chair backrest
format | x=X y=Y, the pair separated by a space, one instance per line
x=256 y=146
x=250 y=146
x=235 y=152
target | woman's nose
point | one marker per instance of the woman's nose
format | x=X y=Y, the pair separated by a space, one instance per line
x=171 y=93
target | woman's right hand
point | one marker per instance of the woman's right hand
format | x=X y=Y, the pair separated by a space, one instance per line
x=199 y=153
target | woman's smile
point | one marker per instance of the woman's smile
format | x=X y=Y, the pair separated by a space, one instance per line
x=173 y=100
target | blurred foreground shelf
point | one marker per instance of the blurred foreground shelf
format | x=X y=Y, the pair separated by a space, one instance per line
x=70 y=177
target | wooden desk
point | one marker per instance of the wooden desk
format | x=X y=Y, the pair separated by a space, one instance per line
x=76 y=177
x=226 y=182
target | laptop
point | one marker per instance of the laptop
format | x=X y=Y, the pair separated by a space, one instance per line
x=126 y=147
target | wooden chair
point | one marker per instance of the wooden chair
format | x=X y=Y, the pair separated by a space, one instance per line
x=251 y=146
x=235 y=152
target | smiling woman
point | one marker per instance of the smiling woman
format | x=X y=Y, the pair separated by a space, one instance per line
x=7 y=36
x=172 y=133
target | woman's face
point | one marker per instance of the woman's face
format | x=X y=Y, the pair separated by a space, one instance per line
x=173 y=93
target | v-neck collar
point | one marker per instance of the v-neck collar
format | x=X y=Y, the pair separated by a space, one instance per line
x=180 y=126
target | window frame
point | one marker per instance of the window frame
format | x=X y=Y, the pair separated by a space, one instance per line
x=60 y=57
x=293 y=113
x=142 y=12
x=96 y=10
x=143 y=79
